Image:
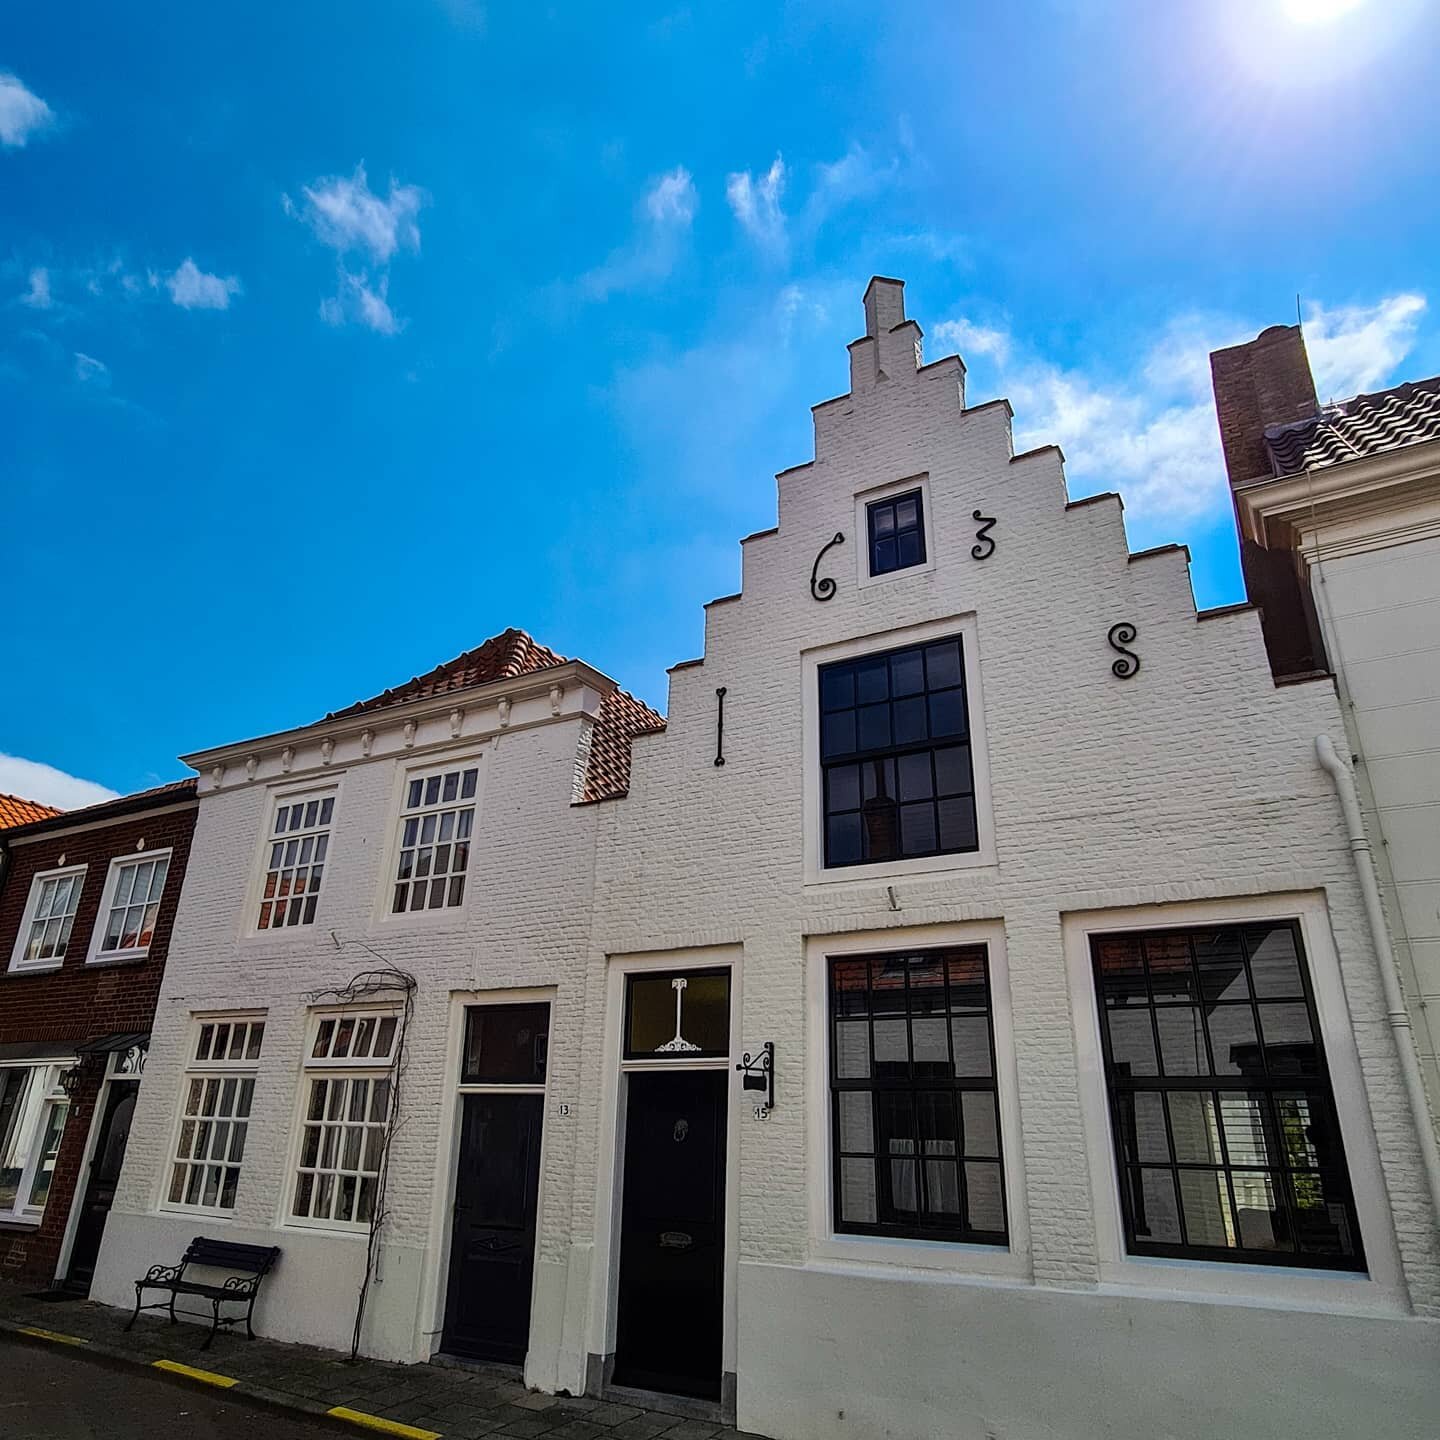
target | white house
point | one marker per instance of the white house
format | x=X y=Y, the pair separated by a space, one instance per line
x=1015 y=888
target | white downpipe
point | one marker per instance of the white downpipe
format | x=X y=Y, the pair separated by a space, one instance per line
x=1396 y=1013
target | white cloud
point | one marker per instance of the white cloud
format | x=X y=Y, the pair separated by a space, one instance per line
x=363 y=303
x=347 y=215
x=1154 y=436
x=1356 y=347
x=666 y=213
x=38 y=297
x=192 y=288
x=22 y=113
x=89 y=370
x=34 y=780
x=756 y=205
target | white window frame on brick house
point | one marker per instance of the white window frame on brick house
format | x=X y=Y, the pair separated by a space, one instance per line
x=396 y=847
x=827 y=1243
x=32 y=921
x=350 y=1051
x=816 y=871
x=864 y=499
x=115 y=890
x=27 y=1132
x=1380 y=1291
x=224 y=1097
x=293 y=843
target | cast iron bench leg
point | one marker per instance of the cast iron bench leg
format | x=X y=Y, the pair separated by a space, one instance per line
x=214 y=1326
x=249 y=1315
x=136 y=1315
x=173 y=1320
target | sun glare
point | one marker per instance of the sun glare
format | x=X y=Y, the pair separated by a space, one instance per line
x=1318 y=12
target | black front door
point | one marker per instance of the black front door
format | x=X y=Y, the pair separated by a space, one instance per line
x=100 y=1185
x=672 y=1234
x=492 y=1247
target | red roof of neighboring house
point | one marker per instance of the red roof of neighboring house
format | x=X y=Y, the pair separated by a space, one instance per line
x=15 y=811
x=513 y=653
x=122 y=805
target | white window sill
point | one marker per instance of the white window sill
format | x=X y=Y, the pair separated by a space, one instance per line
x=957 y=1258
x=20 y=1222
x=333 y=1232
x=35 y=969
x=197 y=1212
x=119 y=957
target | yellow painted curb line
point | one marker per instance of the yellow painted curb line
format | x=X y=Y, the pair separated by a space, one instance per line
x=206 y=1377
x=379 y=1422
x=54 y=1335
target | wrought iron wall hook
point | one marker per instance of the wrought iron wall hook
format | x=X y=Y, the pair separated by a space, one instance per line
x=824 y=589
x=984 y=547
x=759 y=1072
x=1121 y=635
x=720 y=725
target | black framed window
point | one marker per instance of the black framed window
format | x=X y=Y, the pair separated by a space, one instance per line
x=898 y=778
x=897 y=532
x=1226 y=1136
x=915 y=1124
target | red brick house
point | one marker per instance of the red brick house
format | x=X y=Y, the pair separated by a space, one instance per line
x=87 y=900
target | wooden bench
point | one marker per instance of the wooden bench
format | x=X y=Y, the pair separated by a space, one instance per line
x=248 y=1265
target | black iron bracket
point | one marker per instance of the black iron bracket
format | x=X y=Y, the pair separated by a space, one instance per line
x=759 y=1072
x=984 y=547
x=720 y=725
x=824 y=589
x=1119 y=637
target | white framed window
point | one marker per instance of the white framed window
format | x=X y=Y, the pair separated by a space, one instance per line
x=296 y=847
x=344 y=1117
x=437 y=816
x=216 y=1094
x=129 y=906
x=49 y=917
x=33 y=1110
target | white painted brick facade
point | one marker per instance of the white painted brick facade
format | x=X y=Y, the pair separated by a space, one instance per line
x=1193 y=782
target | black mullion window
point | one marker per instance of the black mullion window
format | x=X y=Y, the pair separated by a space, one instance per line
x=895 y=746
x=1227 y=1140
x=915 y=1124
x=897 y=532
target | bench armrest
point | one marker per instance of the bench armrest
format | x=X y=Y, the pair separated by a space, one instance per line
x=161 y=1275
x=243 y=1285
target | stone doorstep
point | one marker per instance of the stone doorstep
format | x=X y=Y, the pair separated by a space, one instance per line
x=313 y=1383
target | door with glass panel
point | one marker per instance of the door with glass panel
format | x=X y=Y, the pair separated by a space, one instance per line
x=497 y=1182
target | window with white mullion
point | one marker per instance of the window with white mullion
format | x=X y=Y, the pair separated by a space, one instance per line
x=219 y=1089
x=50 y=917
x=348 y=1094
x=295 y=863
x=33 y=1111
x=435 y=828
x=134 y=905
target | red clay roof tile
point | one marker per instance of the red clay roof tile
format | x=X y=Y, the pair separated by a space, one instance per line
x=15 y=811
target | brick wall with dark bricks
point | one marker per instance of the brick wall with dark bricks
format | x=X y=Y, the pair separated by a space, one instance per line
x=80 y=1001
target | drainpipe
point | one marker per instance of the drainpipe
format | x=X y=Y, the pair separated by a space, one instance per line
x=1396 y=1013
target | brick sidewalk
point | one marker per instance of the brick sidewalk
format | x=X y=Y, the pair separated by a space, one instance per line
x=418 y=1400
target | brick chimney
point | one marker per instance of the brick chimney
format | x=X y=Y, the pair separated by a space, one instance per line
x=1262 y=383
x=890 y=346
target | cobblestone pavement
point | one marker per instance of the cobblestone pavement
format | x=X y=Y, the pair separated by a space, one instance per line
x=420 y=1400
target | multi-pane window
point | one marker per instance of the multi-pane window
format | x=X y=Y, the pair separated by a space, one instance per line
x=1226 y=1135
x=897 y=533
x=33 y=1109
x=347 y=1112
x=899 y=780
x=218 y=1088
x=915 y=1125
x=298 y=840
x=131 y=906
x=49 y=917
x=435 y=826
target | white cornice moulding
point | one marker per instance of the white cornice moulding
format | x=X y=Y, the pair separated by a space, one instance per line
x=559 y=693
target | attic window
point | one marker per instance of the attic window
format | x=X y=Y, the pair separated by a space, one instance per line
x=896 y=527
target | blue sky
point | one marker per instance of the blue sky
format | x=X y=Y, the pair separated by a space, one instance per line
x=334 y=338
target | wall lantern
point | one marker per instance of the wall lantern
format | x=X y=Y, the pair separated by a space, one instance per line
x=759 y=1072
x=70 y=1080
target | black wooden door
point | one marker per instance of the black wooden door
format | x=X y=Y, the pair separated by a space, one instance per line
x=100 y=1184
x=492 y=1247
x=672 y=1234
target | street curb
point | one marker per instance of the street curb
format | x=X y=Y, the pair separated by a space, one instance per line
x=187 y=1377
